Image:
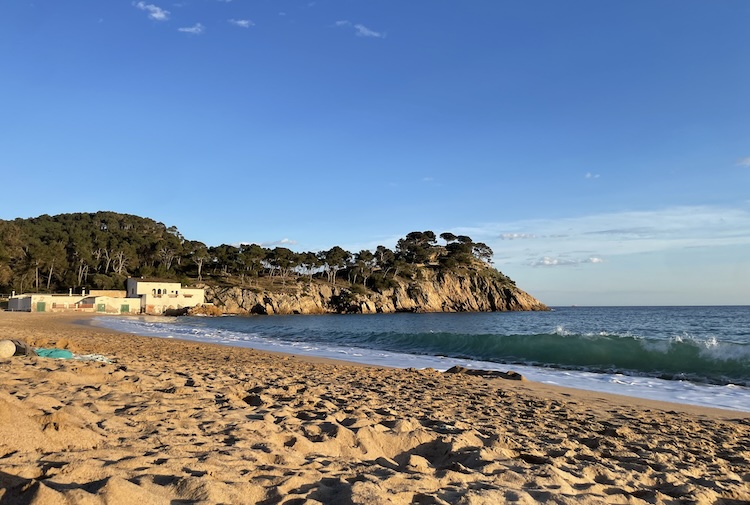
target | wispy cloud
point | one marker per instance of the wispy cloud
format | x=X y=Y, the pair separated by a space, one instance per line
x=530 y=236
x=517 y=236
x=196 y=29
x=744 y=162
x=154 y=12
x=548 y=261
x=575 y=240
x=639 y=231
x=243 y=23
x=361 y=30
x=279 y=243
x=589 y=175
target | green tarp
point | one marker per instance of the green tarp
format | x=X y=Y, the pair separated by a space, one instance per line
x=54 y=353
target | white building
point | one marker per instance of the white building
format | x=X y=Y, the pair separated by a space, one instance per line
x=141 y=297
x=157 y=297
x=108 y=302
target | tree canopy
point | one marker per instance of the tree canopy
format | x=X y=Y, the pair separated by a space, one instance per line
x=100 y=250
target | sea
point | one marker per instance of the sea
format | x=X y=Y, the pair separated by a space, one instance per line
x=691 y=355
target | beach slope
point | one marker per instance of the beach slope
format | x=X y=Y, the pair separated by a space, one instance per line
x=180 y=422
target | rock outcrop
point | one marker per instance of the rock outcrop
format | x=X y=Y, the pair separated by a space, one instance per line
x=462 y=291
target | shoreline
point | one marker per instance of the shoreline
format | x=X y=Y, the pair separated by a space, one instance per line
x=537 y=386
x=179 y=420
x=652 y=387
x=534 y=387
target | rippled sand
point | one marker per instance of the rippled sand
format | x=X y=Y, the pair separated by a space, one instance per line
x=180 y=422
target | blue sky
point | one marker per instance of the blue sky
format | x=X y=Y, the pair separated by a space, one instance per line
x=601 y=148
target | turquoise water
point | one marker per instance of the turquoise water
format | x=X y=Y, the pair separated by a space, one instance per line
x=672 y=351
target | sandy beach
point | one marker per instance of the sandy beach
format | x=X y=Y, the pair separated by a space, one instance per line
x=178 y=422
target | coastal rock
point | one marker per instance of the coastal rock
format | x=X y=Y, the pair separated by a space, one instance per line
x=466 y=291
x=509 y=375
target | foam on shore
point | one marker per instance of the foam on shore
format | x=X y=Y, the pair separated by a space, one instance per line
x=682 y=391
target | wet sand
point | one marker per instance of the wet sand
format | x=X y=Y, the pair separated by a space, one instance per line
x=179 y=422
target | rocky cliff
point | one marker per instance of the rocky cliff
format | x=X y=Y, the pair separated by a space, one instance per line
x=463 y=291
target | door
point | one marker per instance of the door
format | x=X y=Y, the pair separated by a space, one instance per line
x=41 y=306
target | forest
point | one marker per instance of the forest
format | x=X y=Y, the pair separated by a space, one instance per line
x=101 y=250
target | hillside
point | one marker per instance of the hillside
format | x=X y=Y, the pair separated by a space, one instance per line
x=101 y=250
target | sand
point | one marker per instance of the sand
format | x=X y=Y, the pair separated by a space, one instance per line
x=184 y=423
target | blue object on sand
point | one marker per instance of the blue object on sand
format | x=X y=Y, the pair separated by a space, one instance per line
x=54 y=353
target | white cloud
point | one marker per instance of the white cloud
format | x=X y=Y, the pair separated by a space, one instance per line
x=154 y=12
x=243 y=23
x=196 y=29
x=614 y=235
x=649 y=256
x=279 y=243
x=627 y=233
x=548 y=261
x=517 y=236
x=361 y=30
x=744 y=162
x=589 y=175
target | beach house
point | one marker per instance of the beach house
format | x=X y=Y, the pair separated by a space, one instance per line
x=104 y=301
x=141 y=296
x=158 y=296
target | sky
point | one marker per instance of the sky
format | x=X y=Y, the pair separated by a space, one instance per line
x=600 y=148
